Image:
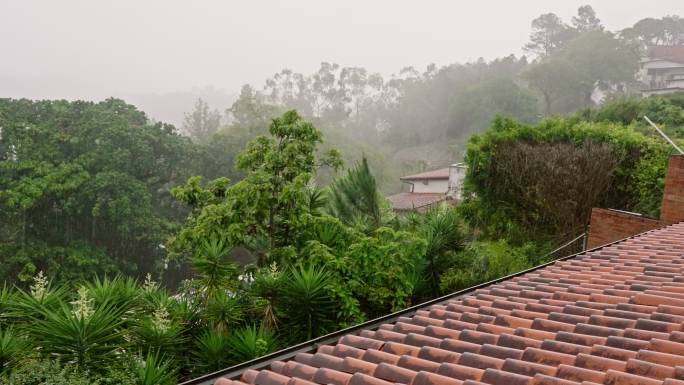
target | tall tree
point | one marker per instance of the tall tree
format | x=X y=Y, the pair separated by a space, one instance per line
x=668 y=30
x=202 y=123
x=591 y=61
x=84 y=186
x=549 y=33
x=586 y=20
x=262 y=211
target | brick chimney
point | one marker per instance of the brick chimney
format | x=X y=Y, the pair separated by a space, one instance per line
x=672 y=208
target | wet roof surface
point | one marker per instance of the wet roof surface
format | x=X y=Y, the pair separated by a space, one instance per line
x=409 y=200
x=442 y=173
x=610 y=316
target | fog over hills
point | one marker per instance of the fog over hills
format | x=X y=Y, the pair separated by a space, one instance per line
x=154 y=52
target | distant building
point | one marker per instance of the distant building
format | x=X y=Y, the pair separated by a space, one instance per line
x=430 y=188
x=662 y=70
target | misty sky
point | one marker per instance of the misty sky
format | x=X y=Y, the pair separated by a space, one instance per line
x=97 y=48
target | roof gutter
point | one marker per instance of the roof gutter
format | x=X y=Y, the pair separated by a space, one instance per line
x=236 y=371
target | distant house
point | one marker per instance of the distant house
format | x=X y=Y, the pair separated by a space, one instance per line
x=662 y=70
x=430 y=188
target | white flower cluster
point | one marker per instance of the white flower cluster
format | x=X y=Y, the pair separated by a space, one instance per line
x=160 y=319
x=246 y=278
x=40 y=286
x=83 y=307
x=149 y=285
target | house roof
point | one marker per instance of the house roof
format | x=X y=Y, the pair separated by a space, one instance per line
x=612 y=315
x=673 y=53
x=410 y=201
x=442 y=173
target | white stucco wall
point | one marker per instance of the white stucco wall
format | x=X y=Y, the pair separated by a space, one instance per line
x=456 y=175
x=430 y=185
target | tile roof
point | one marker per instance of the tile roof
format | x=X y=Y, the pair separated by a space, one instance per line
x=674 y=53
x=442 y=173
x=410 y=201
x=613 y=315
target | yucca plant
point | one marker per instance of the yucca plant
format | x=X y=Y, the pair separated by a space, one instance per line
x=222 y=311
x=211 y=352
x=305 y=302
x=214 y=271
x=263 y=292
x=441 y=228
x=155 y=369
x=14 y=348
x=187 y=313
x=7 y=300
x=81 y=334
x=251 y=342
x=41 y=296
x=158 y=331
x=122 y=292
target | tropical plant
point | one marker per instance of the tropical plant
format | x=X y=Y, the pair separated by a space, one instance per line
x=84 y=335
x=251 y=342
x=14 y=349
x=306 y=303
x=223 y=311
x=214 y=270
x=212 y=351
x=442 y=230
x=158 y=332
x=155 y=369
x=121 y=292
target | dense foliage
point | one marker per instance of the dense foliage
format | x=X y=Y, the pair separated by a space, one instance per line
x=85 y=187
x=544 y=179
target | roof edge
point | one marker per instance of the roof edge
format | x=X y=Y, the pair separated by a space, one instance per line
x=307 y=346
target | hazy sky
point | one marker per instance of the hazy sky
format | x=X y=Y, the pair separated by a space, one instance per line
x=97 y=48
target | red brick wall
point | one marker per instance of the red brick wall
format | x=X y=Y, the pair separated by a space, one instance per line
x=609 y=225
x=672 y=209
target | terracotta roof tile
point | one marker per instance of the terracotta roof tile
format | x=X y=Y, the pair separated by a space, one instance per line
x=410 y=201
x=442 y=173
x=613 y=316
